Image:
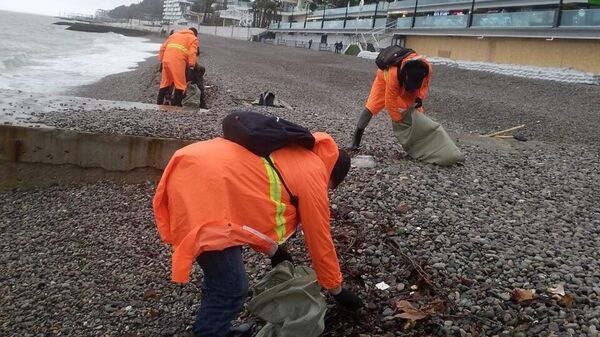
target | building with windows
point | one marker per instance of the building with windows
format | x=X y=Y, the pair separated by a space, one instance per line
x=558 y=33
x=175 y=12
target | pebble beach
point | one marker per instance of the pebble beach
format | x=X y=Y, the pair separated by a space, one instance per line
x=86 y=260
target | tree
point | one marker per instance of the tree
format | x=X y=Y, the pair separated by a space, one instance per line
x=263 y=12
x=143 y=9
x=203 y=6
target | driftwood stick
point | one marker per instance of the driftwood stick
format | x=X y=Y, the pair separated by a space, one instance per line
x=424 y=276
x=505 y=131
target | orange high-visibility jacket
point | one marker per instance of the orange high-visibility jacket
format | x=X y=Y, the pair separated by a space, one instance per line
x=387 y=91
x=180 y=46
x=216 y=194
x=176 y=53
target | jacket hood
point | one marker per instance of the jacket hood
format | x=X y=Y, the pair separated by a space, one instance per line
x=185 y=31
x=326 y=149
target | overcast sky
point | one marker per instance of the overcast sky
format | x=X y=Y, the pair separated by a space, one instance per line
x=53 y=7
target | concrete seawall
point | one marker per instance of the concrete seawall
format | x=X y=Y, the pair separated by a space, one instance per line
x=93 y=28
x=44 y=156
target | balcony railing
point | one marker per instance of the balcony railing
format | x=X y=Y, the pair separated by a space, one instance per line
x=359 y=24
x=445 y=21
x=581 y=18
x=405 y=22
x=336 y=24
x=380 y=23
x=382 y=7
x=313 y=24
x=517 y=19
x=589 y=18
x=442 y=2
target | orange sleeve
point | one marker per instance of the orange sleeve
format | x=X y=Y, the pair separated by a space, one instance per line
x=314 y=215
x=192 y=52
x=162 y=50
x=160 y=204
x=376 y=100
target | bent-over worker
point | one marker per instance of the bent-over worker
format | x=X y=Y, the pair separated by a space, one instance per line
x=396 y=88
x=177 y=53
x=216 y=196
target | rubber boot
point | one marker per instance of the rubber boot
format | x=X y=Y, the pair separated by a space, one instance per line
x=177 y=97
x=162 y=92
x=363 y=121
x=203 y=100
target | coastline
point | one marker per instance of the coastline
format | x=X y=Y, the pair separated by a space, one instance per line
x=516 y=215
x=136 y=85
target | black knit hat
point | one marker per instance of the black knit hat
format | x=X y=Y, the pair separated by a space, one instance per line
x=412 y=74
x=340 y=169
x=194 y=30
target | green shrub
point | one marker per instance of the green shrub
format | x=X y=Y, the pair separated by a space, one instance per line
x=353 y=50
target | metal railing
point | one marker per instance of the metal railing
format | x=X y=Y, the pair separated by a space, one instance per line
x=517 y=19
x=443 y=21
x=581 y=18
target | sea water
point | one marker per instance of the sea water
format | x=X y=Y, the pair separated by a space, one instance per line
x=38 y=56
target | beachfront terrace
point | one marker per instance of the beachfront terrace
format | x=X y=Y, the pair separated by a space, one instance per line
x=411 y=15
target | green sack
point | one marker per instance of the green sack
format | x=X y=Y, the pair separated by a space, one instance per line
x=192 y=96
x=289 y=299
x=426 y=140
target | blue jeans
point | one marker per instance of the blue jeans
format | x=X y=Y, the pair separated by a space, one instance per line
x=224 y=291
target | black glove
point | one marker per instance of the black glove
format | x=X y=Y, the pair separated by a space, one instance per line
x=280 y=255
x=348 y=300
x=160 y=68
x=418 y=102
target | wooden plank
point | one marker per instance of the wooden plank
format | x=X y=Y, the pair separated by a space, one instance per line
x=505 y=131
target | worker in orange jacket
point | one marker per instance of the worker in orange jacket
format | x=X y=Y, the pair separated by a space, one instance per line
x=396 y=88
x=177 y=53
x=216 y=196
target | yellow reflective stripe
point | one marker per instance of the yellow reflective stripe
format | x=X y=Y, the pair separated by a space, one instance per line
x=275 y=194
x=386 y=75
x=178 y=46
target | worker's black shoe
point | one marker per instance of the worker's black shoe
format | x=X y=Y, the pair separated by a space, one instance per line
x=243 y=330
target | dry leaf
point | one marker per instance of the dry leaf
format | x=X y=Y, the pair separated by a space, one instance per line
x=409 y=325
x=150 y=293
x=559 y=290
x=410 y=312
x=567 y=301
x=436 y=306
x=403 y=207
x=522 y=295
x=474 y=331
x=343 y=237
x=524 y=326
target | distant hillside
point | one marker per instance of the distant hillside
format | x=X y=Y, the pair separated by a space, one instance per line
x=144 y=9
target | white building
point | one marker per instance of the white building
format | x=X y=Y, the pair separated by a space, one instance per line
x=237 y=14
x=174 y=11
